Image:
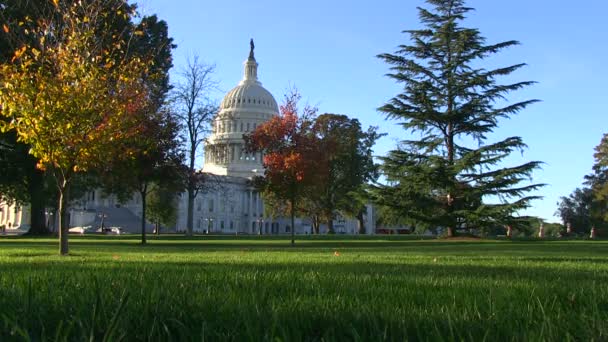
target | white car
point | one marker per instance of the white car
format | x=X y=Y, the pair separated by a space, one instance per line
x=77 y=230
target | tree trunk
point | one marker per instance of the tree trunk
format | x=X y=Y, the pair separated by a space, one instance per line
x=451 y=232
x=190 y=218
x=37 y=217
x=293 y=220
x=62 y=213
x=330 y=226
x=361 y=222
x=36 y=194
x=143 y=214
x=315 y=224
x=191 y=190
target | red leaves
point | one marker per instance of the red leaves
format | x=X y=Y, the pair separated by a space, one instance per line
x=288 y=144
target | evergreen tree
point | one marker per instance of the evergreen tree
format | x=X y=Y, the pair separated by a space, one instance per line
x=576 y=209
x=598 y=182
x=446 y=177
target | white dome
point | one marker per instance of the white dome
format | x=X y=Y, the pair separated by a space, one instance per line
x=244 y=108
x=250 y=95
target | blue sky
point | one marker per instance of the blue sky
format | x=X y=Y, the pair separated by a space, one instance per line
x=327 y=49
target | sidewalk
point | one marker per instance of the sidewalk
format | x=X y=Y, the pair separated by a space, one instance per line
x=13 y=232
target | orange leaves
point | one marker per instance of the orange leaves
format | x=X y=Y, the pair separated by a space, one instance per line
x=19 y=53
x=5 y=28
x=289 y=147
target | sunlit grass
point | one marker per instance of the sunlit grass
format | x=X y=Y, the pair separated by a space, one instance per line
x=258 y=288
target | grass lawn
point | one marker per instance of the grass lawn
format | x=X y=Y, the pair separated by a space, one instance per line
x=332 y=288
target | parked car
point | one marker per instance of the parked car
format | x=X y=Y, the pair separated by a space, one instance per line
x=77 y=230
x=111 y=231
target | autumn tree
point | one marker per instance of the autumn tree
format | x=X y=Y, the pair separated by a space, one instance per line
x=195 y=111
x=152 y=158
x=148 y=161
x=22 y=181
x=71 y=97
x=344 y=164
x=289 y=153
x=449 y=175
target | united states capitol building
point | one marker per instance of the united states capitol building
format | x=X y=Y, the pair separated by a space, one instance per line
x=229 y=205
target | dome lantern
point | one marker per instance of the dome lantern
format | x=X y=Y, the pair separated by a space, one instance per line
x=251 y=67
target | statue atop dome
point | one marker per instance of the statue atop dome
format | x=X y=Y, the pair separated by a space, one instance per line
x=251 y=51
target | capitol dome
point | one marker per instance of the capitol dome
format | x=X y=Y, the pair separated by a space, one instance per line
x=249 y=95
x=243 y=108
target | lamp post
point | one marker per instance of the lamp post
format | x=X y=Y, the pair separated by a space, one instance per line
x=103 y=217
x=209 y=224
x=49 y=219
x=260 y=225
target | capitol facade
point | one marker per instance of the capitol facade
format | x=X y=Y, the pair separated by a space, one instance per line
x=231 y=205
x=228 y=204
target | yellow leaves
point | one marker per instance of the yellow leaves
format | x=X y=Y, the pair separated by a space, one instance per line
x=74 y=105
x=138 y=33
x=4 y=126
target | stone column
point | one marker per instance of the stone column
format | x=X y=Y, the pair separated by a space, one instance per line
x=260 y=209
x=250 y=205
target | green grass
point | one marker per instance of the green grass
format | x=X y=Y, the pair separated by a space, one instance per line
x=252 y=288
